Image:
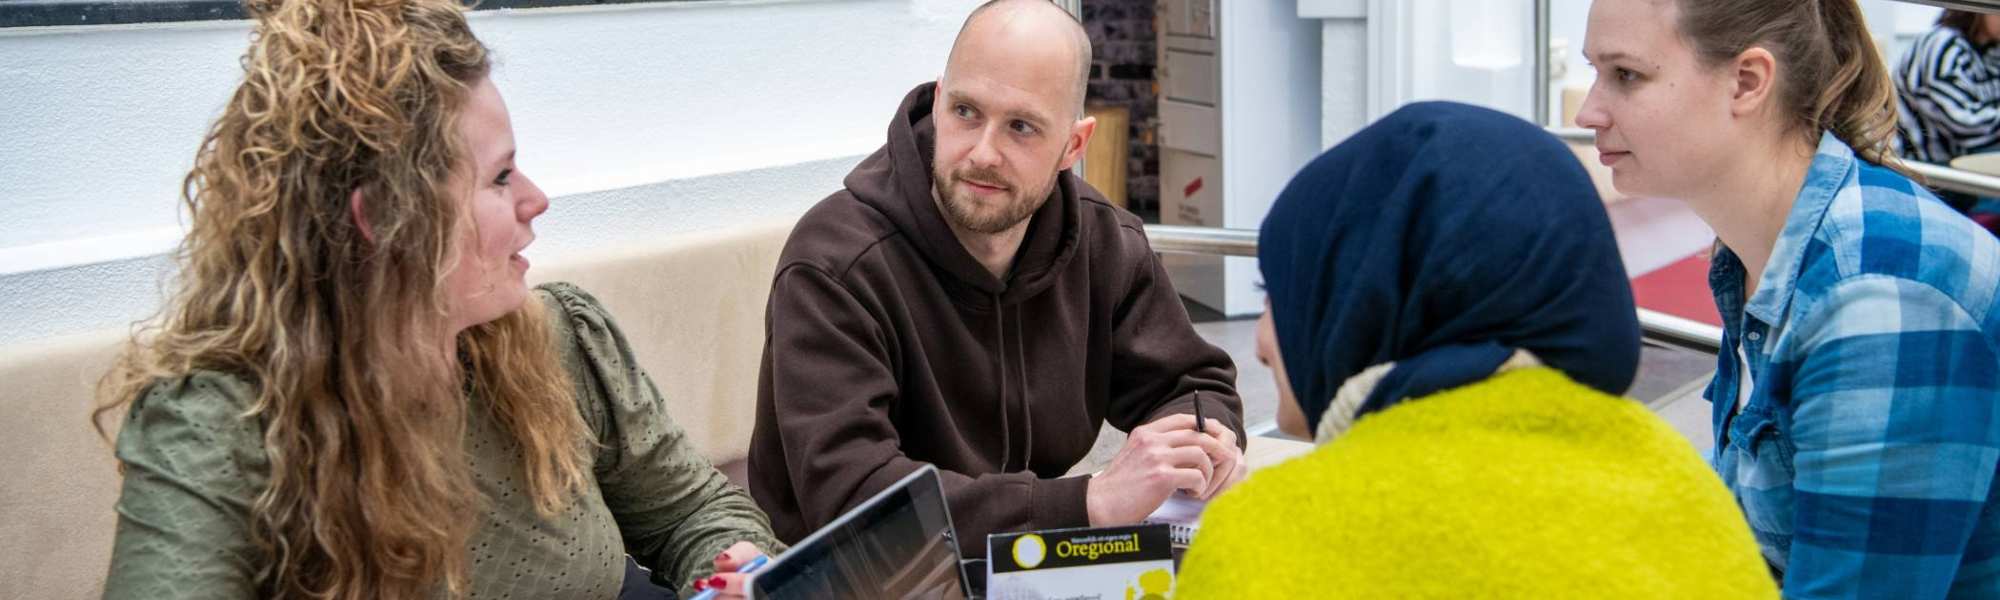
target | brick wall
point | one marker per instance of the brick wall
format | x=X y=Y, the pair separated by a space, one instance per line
x=1122 y=50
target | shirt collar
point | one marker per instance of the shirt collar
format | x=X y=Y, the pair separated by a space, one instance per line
x=1833 y=169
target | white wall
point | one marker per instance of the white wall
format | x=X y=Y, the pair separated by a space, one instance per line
x=1473 y=51
x=1899 y=24
x=1567 y=22
x=639 y=120
x=1378 y=55
x=1345 y=63
x=1270 y=124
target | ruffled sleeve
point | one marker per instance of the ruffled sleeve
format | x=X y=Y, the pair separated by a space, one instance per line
x=673 y=508
x=193 y=467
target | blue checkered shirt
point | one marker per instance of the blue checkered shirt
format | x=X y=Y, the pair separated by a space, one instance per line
x=1865 y=457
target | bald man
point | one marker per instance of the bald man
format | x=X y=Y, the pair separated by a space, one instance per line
x=968 y=303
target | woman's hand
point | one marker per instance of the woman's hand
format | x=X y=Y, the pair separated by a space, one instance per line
x=726 y=582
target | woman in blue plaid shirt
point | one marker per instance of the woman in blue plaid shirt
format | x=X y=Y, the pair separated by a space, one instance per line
x=1857 y=394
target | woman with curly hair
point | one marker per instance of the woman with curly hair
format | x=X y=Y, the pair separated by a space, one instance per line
x=353 y=393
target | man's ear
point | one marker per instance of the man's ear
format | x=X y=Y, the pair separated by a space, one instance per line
x=1754 y=79
x=937 y=98
x=357 y=208
x=1079 y=140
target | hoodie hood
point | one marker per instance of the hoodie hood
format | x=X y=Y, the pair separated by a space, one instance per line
x=896 y=181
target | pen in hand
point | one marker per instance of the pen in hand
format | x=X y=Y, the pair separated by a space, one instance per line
x=1200 y=423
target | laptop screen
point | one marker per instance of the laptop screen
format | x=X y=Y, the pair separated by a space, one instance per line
x=898 y=544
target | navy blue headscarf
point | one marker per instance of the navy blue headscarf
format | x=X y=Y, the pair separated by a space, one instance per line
x=1442 y=238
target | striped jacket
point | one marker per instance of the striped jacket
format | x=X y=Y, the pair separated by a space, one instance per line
x=1949 y=92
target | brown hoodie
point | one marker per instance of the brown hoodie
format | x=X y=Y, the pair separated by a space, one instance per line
x=888 y=346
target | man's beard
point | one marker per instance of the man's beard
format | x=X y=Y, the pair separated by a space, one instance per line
x=962 y=209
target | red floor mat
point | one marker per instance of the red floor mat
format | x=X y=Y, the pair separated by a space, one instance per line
x=1679 y=289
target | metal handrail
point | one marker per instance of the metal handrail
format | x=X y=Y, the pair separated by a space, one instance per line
x=1215 y=241
x=1574 y=134
x=1957 y=180
x=1936 y=176
x=1657 y=327
x=1543 y=68
x=1668 y=330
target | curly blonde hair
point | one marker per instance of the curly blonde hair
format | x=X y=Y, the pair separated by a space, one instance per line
x=363 y=407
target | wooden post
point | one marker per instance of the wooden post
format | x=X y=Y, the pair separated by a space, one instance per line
x=1104 y=160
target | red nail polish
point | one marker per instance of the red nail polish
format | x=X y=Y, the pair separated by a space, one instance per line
x=717 y=582
x=701 y=585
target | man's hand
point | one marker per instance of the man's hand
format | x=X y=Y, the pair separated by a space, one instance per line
x=1158 y=458
x=1229 y=465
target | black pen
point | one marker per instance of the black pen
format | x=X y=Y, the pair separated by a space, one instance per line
x=1200 y=424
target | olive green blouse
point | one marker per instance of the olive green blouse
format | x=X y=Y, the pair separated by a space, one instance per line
x=194 y=466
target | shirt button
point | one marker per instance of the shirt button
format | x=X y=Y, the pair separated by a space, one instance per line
x=1754 y=336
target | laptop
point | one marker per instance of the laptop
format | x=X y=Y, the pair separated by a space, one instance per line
x=899 y=544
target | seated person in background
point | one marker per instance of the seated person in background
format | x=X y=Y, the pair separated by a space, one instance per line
x=353 y=393
x=967 y=302
x=1948 y=87
x=1449 y=319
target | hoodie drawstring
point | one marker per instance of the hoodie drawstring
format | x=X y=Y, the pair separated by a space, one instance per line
x=1000 y=356
x=1021 y=374
x=1021 y=379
